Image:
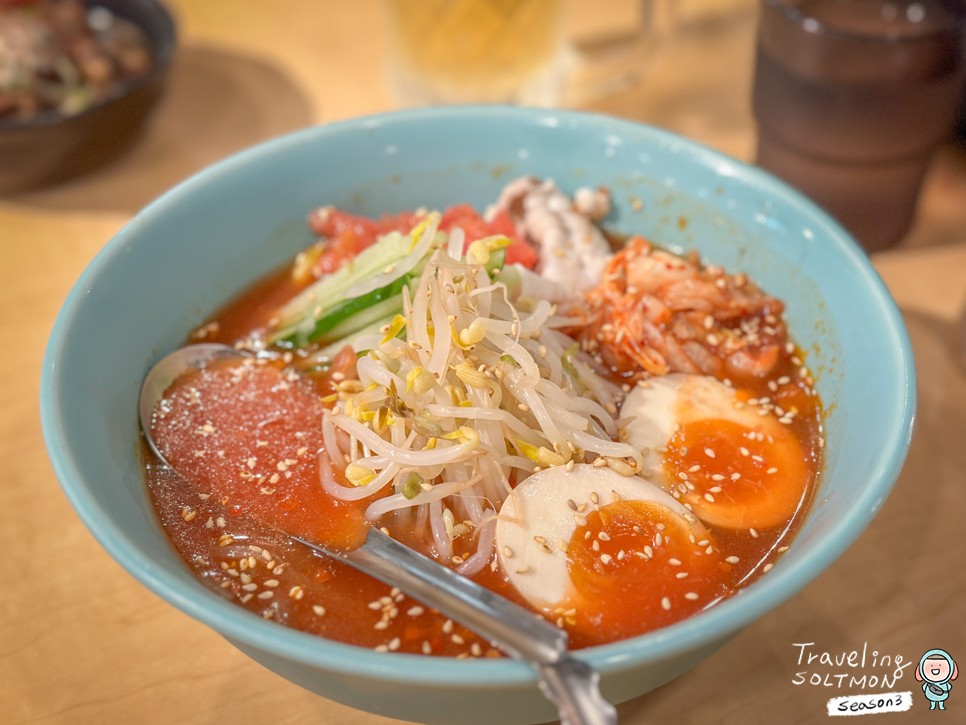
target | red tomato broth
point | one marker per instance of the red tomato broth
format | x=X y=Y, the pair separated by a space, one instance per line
x=359 y=610
x=244 y=436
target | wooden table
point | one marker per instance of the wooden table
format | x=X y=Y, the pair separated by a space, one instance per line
x=82 y=642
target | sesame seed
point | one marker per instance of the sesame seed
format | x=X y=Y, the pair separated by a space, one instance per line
x=681 y=575
x=754 y=533
x=767 y=568
x=394 y=644
x=266 y=595
x=674 y=562
x=709 y=453
x=732 y=559
x=709 y=498
x=415 y=611
x=318 y=609
x=691 y=595
x=665 y=603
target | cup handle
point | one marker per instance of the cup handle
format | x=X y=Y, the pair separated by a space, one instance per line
x=598 y=66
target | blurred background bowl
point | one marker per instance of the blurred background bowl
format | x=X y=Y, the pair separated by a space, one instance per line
x=52 y=147
x=207 y=239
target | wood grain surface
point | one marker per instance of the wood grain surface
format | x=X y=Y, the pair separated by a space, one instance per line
x=82 y=642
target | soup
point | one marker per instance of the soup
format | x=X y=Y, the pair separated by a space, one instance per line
x=612 y=435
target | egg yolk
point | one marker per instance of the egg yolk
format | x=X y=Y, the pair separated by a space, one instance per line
x=736 y=476
x=637 y=566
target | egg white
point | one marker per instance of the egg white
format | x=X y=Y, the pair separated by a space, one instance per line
x=537 y=521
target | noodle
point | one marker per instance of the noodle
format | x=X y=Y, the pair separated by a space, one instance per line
x=473 y=353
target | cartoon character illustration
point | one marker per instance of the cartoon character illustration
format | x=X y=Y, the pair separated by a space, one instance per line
x=936 y=672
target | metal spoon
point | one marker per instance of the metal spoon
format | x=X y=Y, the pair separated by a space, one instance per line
x=566 y=681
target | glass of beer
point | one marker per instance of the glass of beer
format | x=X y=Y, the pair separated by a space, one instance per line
x=476 y=51
x=851 y=99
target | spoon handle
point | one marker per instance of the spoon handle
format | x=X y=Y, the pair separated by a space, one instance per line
x=566 y=681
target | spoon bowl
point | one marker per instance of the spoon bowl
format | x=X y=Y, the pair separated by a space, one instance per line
x=169 y=369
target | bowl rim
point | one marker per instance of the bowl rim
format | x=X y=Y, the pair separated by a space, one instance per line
x=714 y=625
x=162 y=54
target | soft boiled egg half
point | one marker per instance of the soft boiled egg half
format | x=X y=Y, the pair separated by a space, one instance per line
x=597 y=549
x=735 y=465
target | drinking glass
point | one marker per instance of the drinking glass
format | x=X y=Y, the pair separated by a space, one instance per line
x=851 y=99
x=515 y=51
x=462 y=51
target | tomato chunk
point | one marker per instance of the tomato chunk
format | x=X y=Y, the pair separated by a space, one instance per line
x=344 y=235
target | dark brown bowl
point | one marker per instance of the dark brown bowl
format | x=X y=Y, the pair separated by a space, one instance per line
x=52 y=147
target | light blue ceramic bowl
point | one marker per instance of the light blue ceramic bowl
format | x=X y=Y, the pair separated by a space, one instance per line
x=208 y=238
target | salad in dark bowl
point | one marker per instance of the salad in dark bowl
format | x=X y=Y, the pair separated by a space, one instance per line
x=77 y=80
